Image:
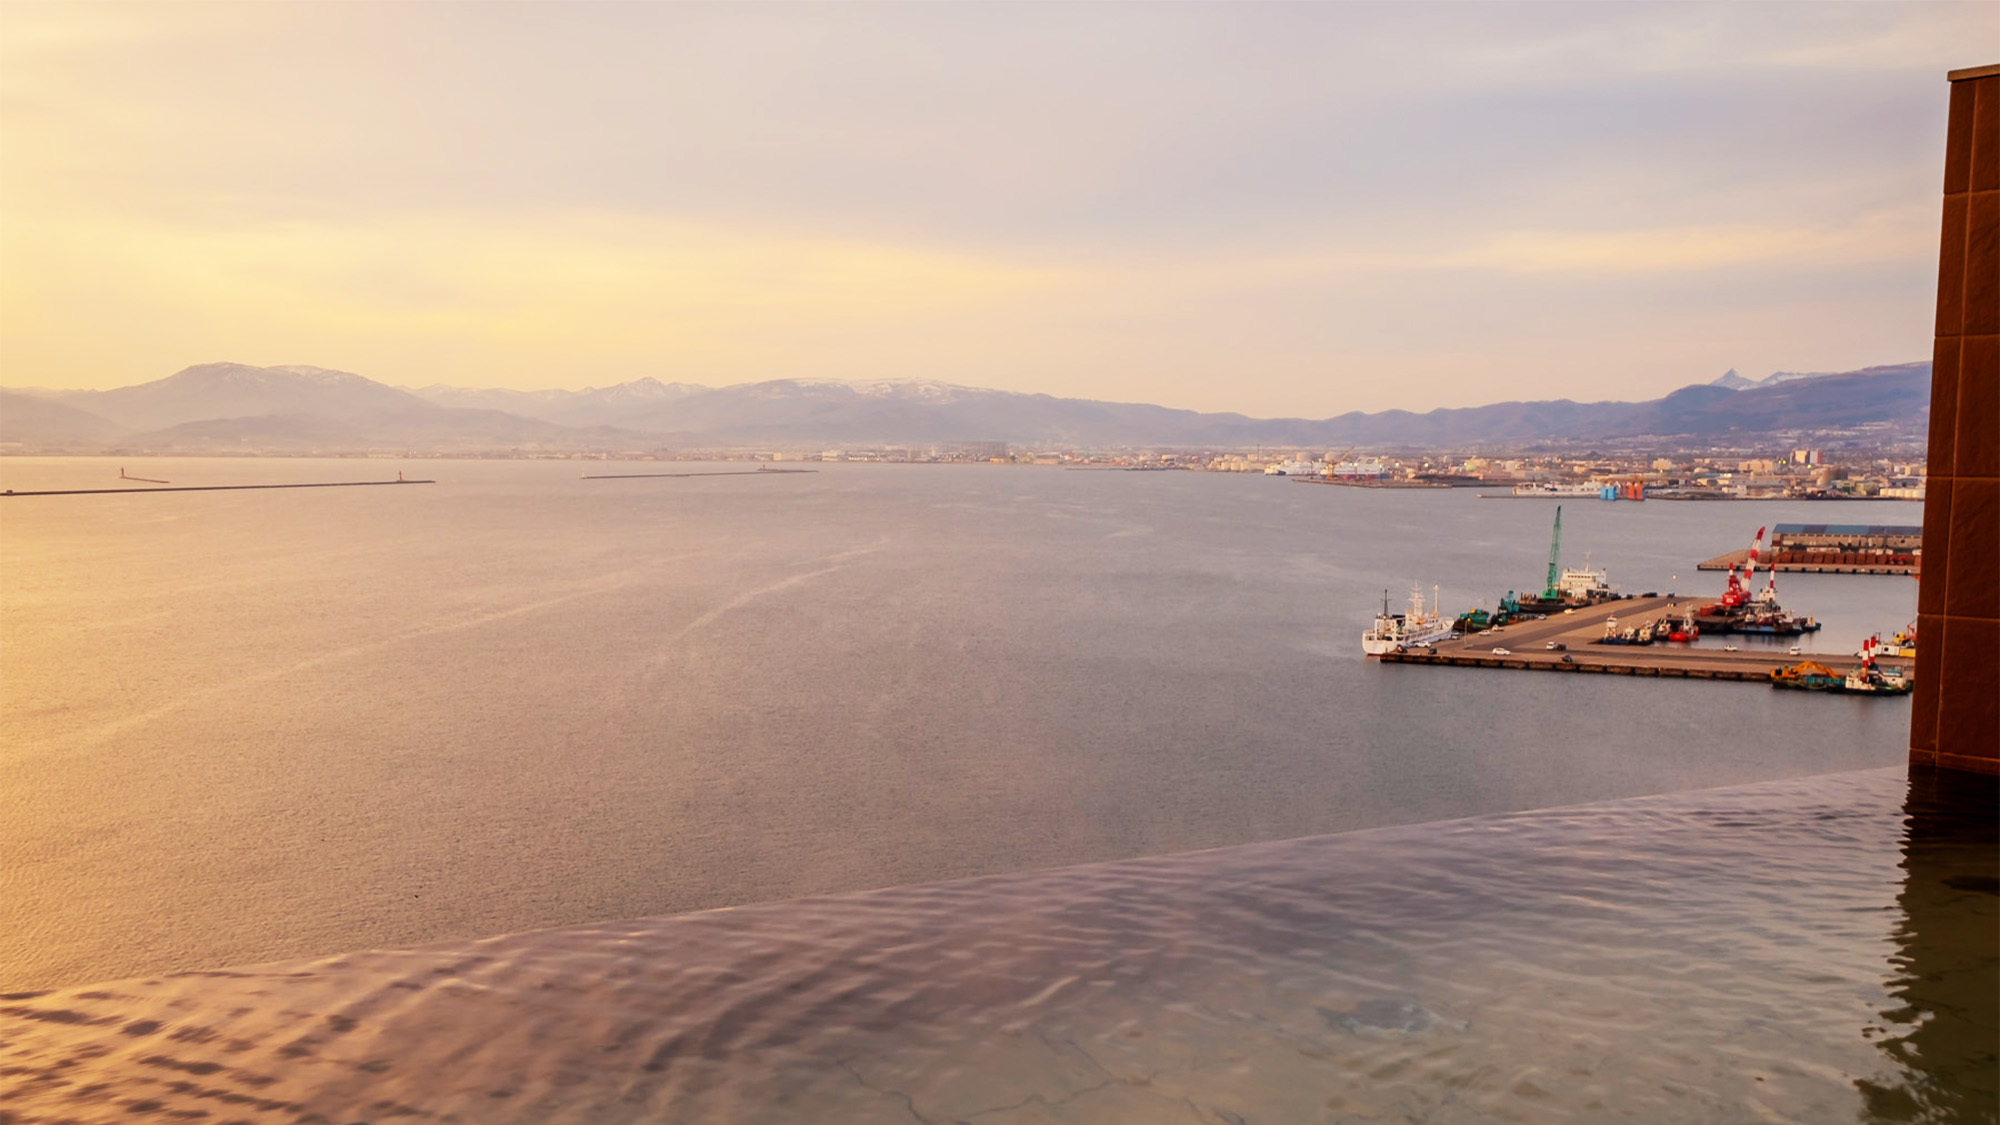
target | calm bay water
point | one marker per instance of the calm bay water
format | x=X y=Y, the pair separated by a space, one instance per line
x=247 y=726
x=1812 y=950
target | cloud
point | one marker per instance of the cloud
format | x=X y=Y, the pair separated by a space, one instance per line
x=1216 y=204
x=1876 y=240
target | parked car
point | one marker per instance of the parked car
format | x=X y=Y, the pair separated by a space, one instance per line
x=1503 y=652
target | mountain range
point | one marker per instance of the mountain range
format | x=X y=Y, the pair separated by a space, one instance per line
x=228 y=407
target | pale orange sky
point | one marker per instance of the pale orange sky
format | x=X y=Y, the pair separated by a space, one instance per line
x=1280 y=210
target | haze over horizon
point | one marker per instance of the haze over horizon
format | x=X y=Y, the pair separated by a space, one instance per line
x=1281 y=211
x=1730 y=378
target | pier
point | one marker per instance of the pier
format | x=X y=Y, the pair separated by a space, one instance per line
x=1829 y=565
x=211 y=487
x=1820 y=548
x=723 y=473
x=1527 y=642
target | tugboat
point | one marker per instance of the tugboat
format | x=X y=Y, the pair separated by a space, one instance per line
x=1867 y=679
x=1901 y=643
x=1630 y=635
x=1402 y=630
x=1687 y=631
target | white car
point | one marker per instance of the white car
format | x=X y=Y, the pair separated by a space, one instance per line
x=1729 y=648
x=1794 y=650
x=1503 y=652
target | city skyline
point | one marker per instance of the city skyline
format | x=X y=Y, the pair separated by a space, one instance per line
x=1283 y=211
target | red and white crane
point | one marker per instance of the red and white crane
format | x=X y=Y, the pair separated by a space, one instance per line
x=1738 y=592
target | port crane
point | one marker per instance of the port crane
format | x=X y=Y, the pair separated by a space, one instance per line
x=1551 y=595
x=1737 y=593
x=1552 y=591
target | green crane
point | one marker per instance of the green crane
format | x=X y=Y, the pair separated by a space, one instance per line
x=1555 y=557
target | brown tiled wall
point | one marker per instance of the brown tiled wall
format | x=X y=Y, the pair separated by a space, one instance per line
x=1956 y=721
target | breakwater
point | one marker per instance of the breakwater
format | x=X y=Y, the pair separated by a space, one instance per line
x=724 y=473
x=210 y=487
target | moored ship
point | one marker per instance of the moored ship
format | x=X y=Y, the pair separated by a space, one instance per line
x=1364 y=468
x=1807 y=675
x=1867 y=678
x=1559 y=491
x=1739 y=611
x=1566 y=587
x=1402 y=630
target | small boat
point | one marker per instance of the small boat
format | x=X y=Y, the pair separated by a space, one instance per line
x=1632 y=634
x=1875 y=681
x=1686 y=631
x=1868 y=679
x=1902 y=643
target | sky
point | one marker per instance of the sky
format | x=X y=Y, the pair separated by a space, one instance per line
x=1278 y=209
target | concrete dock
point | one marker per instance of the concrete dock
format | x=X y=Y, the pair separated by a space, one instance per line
x=1741 y=556
x=1527 y=644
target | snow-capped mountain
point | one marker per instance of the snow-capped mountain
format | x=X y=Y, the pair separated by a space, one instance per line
x=591 y=406
x=226 y=406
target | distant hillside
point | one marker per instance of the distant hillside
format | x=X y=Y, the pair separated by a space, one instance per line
x=918 y=413
x=909 y=413
x=48 y=424
x=1784 y=402
x=221 y=406
x=591 y=406
x=231 y=407
x=233 y=390
x=430 y=429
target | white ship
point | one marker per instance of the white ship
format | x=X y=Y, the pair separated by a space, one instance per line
x=1584 y=586
x=1366 y=469
x=1296 y=469
x=1400 y=630
x=1559 y=491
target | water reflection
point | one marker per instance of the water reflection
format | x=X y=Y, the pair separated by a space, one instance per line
x=1943 y=1034
x=1703 y=956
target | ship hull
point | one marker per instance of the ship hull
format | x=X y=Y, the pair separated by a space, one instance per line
x=1376 y=642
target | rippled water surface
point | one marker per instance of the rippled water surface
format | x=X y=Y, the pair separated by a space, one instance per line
x=249 y=726
x=1815 y=950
